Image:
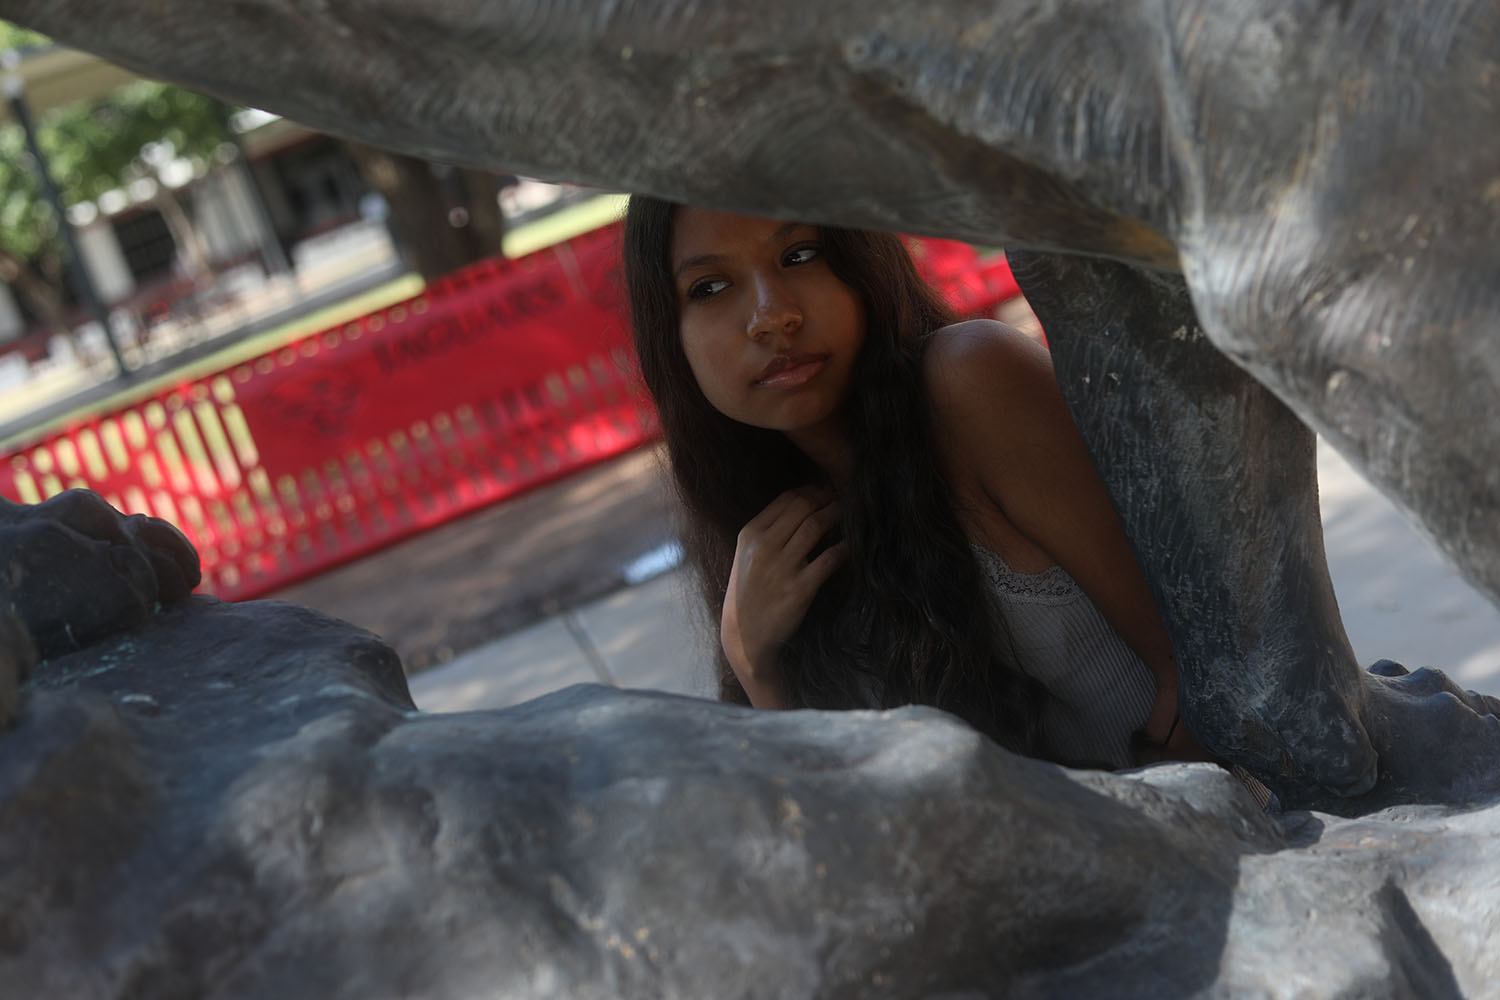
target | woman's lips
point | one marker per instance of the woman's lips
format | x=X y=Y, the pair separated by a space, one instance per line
x=791 y=371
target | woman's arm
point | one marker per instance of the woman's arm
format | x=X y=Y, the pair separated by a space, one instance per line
x=1000 y=416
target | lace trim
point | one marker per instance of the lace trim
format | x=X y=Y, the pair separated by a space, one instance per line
x=1052 y=585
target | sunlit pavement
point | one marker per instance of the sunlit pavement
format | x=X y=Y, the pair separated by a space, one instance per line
x=638 y=637
x=1399 y=600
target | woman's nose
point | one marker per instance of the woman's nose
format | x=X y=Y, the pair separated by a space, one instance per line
x=776 y=312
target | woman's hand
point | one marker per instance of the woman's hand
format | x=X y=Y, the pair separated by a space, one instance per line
x=771 y=585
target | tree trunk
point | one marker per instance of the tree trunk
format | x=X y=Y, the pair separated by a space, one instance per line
x=190 y=242
x=42 y=297
x=486 y=223
x=422 y=213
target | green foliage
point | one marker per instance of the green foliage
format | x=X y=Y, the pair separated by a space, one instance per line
x=93 y=147
x=15 y=37
x=26 y=226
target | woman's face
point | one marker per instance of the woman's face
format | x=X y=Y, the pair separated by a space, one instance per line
x=770 y=332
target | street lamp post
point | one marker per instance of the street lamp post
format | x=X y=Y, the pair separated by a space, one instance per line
x=83 y=284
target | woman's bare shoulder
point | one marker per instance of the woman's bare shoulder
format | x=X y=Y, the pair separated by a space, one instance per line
x=982 y=368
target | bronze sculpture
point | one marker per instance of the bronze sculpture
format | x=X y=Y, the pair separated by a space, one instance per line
x=1236 y=220
x=1315 y=175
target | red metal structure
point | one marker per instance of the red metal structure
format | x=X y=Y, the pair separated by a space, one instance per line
x=496 y=379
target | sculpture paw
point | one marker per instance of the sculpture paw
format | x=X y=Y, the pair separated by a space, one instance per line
x=73 y=569
x=1305 y=736
x=1436 y=741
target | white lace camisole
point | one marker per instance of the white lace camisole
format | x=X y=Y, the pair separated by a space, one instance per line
x=1101 y=691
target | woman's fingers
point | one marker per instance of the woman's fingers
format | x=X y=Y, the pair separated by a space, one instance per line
x=775 y=525
x=821 y=568
x=772 y=583
x=772 y=550
x=811 y=529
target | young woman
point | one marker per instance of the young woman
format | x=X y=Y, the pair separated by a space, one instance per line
x=885 y=507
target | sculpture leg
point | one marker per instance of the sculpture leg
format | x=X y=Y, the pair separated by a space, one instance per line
x=1216 y=483
x=1384 y=342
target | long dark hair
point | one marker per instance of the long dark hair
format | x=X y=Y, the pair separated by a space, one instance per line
x=906 y=619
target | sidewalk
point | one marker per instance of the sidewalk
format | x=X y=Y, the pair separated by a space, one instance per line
x=640 y=637
x=502 y=569
x=1399 y=600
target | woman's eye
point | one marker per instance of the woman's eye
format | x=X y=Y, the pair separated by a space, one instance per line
x=699 y=290
x=802 y=254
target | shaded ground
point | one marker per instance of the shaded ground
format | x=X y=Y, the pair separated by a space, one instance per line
x=502 y=568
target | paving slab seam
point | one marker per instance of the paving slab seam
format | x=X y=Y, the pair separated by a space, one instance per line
x=586 y=646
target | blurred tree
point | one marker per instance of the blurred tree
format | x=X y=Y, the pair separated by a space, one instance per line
x=93 y=147
x=29 y=258
x=441 y=217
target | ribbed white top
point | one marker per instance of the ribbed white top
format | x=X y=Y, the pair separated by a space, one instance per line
x=1101 y=691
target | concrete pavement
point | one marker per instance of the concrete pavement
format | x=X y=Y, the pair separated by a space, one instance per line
x=501 y=569
x=1399 y=601
x=638 y=637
